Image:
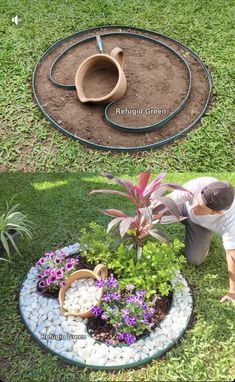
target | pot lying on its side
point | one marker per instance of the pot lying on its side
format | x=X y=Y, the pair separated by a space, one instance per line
x=100 y=272
x=108 y=64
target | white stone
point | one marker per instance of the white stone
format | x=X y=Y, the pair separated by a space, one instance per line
x=57 y=322
x=149 y=344
x=34 y=305
x=81 y=343
x=52 y=345
x=68 y=354
x=68 y=345
x=145 y=349
x=59 y=346
x=93 y=359
x=84 y=353
x=51 y=330
x=90 y=342
x=32 y=325
x=143 y=355
x=58 y=330
x=28 y=309
x=43 y=317
x=136 y=357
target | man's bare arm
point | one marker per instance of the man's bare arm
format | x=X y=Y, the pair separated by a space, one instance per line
x=230 y=296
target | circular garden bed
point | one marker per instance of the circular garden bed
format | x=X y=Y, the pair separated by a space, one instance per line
x=71 y=337
x=168 y=90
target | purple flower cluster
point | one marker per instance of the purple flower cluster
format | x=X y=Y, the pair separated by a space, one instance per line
x=111 y=282
x=100 y=283
x=127 y=337
x=130 y=320
x=53 y=268
x=126 y=311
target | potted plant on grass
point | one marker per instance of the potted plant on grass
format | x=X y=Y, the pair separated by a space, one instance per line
x=136 y=258
x=13 y=225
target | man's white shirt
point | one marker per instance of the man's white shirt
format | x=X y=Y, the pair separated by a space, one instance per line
x=223 y=224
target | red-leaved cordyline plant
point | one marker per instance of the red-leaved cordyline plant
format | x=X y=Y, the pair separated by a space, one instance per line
x=151 y=208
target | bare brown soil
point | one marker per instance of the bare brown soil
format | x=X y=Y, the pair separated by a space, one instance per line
x=157 y=83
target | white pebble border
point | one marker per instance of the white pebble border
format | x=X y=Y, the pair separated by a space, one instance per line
x=43 y=319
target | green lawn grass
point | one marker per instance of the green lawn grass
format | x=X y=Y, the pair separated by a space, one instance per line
x=28 y=142
x=59 y=206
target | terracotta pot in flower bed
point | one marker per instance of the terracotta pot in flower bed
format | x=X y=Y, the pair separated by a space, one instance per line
x=100 y=273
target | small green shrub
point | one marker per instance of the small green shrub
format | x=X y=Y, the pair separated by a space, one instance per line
x=155 y=268
x=152 y=271
x=96 y=244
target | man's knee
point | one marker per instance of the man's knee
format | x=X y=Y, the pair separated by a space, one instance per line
x=195 y=261
x=195 y=257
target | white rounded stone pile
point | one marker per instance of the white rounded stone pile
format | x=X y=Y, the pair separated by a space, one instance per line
x=81 y=296
x=68 y=337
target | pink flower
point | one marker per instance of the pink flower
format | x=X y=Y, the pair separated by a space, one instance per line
x=48 y=281
x=59 y=274
x=42 y=284
x=46 y=272
x=69 y=265
x=53 y=272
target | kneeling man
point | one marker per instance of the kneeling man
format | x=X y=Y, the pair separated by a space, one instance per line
x=211 y=209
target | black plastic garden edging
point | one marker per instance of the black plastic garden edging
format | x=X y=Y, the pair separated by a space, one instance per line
x=111 y=123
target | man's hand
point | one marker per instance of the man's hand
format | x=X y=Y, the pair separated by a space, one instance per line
x=229 y=297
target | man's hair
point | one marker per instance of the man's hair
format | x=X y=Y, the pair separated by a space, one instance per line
x=218 y=196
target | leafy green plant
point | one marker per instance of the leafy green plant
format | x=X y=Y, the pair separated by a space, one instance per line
x=151 y=208
x=152 y=271
x=12 y=222
x=96 y=244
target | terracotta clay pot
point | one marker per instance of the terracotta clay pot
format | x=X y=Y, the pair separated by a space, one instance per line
x=100 y=271
x=113 y=62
